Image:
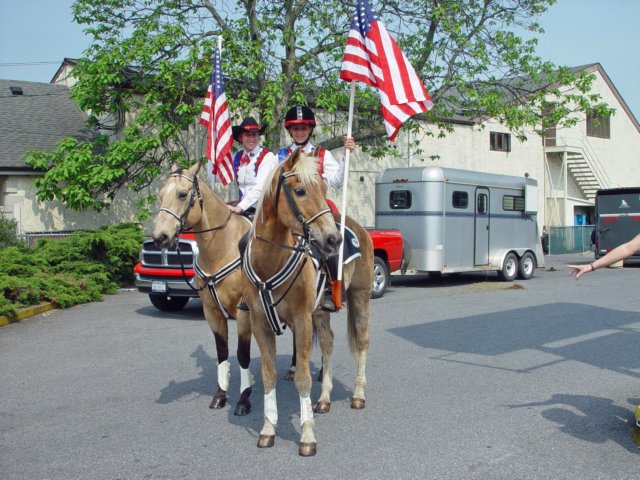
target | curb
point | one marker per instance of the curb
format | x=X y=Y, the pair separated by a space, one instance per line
x=26 y=313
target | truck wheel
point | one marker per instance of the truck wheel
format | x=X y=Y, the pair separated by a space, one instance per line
x=526 y=266
x=168 y=304
x=509 y=270
x=380 y=277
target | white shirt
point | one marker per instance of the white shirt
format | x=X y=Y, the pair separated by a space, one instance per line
x=251 y=182
x=332 y=170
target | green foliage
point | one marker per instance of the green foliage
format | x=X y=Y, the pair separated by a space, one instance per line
x=78 y=269
x=152 y=58
x=8 y=228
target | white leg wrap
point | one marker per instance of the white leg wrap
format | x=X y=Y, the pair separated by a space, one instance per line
x=306 y=412
x=246 y=379
x=224 y=371
x=271 y=407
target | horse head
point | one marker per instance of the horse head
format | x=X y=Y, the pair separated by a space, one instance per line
x=296 y=200
x=178 y=197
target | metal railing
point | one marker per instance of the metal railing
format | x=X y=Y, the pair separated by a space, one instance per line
x=576 y=239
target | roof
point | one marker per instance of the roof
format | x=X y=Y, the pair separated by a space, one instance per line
x=38 y=118
x=519 y=86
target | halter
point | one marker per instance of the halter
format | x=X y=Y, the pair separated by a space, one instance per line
x=293 y=206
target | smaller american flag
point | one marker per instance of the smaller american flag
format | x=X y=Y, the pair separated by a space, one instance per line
x=215 y=117
x=373 y=57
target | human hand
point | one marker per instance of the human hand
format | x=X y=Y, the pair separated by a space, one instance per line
x=235 y=209
x=350 y=143
x=579 y=270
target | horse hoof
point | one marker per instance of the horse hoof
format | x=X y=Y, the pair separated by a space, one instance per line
x=307 y=449
x=288 y=377
x=266 y=441
x=322 y=407
x=242 y=409
x=357 y=403
x=218 y=402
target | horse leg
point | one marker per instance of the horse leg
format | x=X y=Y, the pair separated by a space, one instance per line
x=358 y=337
x=322 y=326
x=218 y=325
x=222 y=348
x=292 y=369
x=303 y=338
x=243 y=407
x=267 y=344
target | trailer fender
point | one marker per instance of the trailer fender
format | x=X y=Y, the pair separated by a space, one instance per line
x=498 y=258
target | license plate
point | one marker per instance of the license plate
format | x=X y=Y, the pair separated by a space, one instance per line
x=159 y=287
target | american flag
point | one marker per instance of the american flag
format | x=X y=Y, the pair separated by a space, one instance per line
x=215 y=117
x=373 y=57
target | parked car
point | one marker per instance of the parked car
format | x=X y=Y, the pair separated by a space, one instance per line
x=168 y=278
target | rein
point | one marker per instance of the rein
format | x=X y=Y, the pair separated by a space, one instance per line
x=295 y=263
x=282 y=185
x=209 y=280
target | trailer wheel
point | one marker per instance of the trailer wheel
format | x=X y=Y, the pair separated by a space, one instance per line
x=168 y=304
x=526 y=266
x=380 y=277
x=509 y=270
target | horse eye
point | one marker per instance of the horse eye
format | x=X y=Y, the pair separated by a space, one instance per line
x=300 y=192
x=182 y=195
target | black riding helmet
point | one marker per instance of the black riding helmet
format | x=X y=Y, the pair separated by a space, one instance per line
x=299 y=115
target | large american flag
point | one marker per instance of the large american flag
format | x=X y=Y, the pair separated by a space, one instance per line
x=215 y=117
x=373 y=57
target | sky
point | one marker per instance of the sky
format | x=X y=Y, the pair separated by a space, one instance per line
x=36 y=36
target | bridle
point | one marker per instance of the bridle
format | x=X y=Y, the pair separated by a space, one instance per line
x=295 y=263
x=282 y=185
x=210 y=281
x=195 y=193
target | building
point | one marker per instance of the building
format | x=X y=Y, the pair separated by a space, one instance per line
x=569 y=165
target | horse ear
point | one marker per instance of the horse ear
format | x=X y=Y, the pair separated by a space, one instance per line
x=196 y=168
x=293 y=159
x=174 y=167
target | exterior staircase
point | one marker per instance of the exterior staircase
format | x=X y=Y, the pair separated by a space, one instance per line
x=583 y=174
x=582 y=164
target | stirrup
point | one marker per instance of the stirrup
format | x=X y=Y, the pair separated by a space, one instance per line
x=327 y=302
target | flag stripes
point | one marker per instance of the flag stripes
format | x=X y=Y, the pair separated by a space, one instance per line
x=215 y=117
x=373 y=57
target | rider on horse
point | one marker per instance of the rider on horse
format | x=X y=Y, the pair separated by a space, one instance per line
x=251 y=165
x=300 y=122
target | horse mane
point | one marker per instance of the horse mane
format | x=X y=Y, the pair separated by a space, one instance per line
x=302 y=164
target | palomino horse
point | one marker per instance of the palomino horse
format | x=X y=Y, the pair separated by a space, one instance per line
x=281 y=285
x=187 y=203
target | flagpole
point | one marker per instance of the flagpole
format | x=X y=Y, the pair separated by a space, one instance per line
x=337 y=293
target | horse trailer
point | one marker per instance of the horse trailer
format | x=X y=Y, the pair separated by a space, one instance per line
x=617 y=218
x=460 y=221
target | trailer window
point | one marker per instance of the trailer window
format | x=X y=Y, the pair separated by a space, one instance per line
x=510 y=203
x=460 y=199
x=400 y=199
x=482 y=204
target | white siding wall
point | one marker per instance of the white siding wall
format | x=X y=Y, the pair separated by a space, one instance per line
x=467 y=147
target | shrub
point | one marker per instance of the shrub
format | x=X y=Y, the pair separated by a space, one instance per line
x=8 y=228
x=78 y=269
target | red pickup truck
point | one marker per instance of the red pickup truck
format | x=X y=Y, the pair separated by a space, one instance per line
x=163 y=274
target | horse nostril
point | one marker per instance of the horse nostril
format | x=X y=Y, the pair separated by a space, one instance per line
x=334 y=242
x=159 y=239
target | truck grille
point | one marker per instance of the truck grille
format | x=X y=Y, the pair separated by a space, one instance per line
x=153 y=256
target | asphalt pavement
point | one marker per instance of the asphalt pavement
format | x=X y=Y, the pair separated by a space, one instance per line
x=468 y=378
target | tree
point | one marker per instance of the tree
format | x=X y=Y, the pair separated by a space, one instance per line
x=153 y=57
